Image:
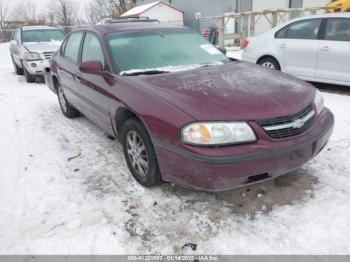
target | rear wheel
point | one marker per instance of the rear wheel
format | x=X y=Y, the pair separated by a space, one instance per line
x=270 y=62
x=67 y=110
x=139 y=154
x=18 y=70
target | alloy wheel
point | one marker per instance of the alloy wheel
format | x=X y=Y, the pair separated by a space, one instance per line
x=137 y=153
x=268 y=65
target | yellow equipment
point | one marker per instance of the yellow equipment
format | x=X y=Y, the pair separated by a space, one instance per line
x=340 y=6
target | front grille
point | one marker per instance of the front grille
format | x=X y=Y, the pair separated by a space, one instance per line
x=48 y=55
x=289 y=126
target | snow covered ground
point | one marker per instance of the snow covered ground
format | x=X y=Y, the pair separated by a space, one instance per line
x=52 y=204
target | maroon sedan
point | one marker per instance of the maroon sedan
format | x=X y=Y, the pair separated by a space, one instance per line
x=183 y=111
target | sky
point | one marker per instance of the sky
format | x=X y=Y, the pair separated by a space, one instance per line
x=42 y=4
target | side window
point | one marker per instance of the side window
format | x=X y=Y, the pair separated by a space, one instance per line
x=338 y=29
x=71 y=51
x=304 y=29
x=282 y=33
x=92 y=50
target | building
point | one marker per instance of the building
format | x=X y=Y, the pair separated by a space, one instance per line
x=204 y=8
x=163 y=11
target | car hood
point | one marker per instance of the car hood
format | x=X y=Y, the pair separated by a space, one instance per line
x=52 y=46
x=235 y=91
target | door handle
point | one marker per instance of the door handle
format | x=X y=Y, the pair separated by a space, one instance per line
x=325 y=48
x=283 y=46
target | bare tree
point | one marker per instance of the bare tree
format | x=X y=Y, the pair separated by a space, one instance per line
x=27 y=12
x=4 y=13
x=99 y=9
x=64 y=12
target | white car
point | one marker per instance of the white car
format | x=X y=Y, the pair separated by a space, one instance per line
x=314 y=48
x=31 y=49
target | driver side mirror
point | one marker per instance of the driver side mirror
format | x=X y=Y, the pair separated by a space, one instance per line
x=91 y=67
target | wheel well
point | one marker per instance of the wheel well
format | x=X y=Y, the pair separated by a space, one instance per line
x=268 y=56
x=124 y=114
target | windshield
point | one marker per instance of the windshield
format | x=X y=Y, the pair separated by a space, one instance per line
x=44 y=35
x=162 y=49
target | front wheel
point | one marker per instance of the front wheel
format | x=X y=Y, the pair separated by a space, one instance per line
x=67 y=110
x=139 y=154
x=270 y=62
x=29 y=77
x=18 y=70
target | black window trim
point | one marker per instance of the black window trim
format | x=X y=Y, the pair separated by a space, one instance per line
x=308 y=19
x=63 y=46
x=326 y=27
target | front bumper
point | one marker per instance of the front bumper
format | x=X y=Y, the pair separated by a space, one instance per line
x=213 y=173
x=36 y=67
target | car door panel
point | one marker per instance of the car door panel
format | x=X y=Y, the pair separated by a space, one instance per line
x=333 y=53
x=68 y=68
x=297 y=46
x=298 y=57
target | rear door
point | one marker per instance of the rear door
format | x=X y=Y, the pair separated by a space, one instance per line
x=334 y=51
x=68 y=68
x=297 y=46
x=93 y=88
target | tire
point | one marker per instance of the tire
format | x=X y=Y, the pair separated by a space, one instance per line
x=270 y=62
x=18 y=70
x=29 y=78
x=139 y=154
x=67 y=110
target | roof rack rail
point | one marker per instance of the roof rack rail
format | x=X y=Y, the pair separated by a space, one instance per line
x=132 y=19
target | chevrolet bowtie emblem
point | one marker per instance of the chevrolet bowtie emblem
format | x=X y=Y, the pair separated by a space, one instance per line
x=298 y=123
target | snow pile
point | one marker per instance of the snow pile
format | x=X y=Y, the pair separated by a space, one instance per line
x=65 y=189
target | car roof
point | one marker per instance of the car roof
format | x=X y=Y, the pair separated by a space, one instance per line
x=328 y=15
x=37 y=27
x=117 y=27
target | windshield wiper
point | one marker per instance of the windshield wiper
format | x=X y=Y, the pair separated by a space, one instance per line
x=144 y=72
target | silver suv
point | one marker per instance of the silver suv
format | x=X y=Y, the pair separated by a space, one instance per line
x=31 y=49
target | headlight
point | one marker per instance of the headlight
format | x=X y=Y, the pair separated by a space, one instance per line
x=32 y=56
x=218 y=133
x=318 y=102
